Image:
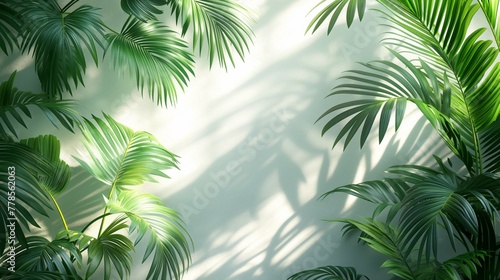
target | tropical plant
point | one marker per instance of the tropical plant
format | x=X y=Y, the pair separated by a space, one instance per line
x=62 y=39
x=449 y=69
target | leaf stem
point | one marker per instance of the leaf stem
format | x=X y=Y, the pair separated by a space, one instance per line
x=59 y=211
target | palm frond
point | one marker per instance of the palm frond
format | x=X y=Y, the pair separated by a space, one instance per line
x=121 y=157
x=9 y=28
x=17 y=103
x=159 y=60
x=143 y=9
x=385 y=239
x=113 y=248
x=386 y=88
x=49 y=147
x=43 y=255
x=56 y=39
x=491 y=10
x=333 y=10
x=430 y=203
x=220 y=24
x=490 y=147
x=22 y=165
x=167 y=236
x=328 y=273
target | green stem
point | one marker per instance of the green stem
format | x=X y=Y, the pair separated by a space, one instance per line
x=106 y=209
x=59 y=211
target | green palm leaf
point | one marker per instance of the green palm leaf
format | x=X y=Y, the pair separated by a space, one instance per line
x=120 y=157
x=43 y=255
x=17 y=103
x=159 y=60
x=113 y=248
x=49 y=147
x=386 y=87
x=220 y=24
x=167 y=236
x=9 y=27
x=143 y=9
x=328 y=273
x=56 y=39
x=30 y=196
x=490 y=145
x=333 y=11
x=491 y=10
x=385 y=239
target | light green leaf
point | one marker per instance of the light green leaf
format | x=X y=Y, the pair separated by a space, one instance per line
x=154 y=54
x=168 y=240
x=333 y=10
x=113 y=248
x=118 y=156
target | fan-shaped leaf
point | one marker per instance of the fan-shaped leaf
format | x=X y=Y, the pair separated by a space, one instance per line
x=152 y=53
x=43 y=255
x=220 y=24
x=113 y=248
x=18 y=103
x=56 y=39
x=119 y=156
x=167 y=236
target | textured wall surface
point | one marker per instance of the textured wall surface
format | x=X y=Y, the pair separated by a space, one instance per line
x=253 y=163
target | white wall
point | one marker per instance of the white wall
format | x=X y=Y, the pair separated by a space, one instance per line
x=253 y=163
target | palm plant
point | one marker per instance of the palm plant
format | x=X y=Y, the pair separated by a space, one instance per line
x=62 y=38
x=450 y=71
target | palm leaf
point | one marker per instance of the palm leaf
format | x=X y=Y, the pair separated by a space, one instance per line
x=333 y=10
x=119 y=156
x=17 y=103
x=112 y=248
x=143 y=9
x=9 y=27
x=386 y=87
x=328 y=273
x=220 y=24
x=43 y=255
x=56 y=39
x=491 y=9
x=49 y=147
x=490 y=146
x=159 y=60
x=167 y=236
x=385 y=239
x=428 y=204
x=23 y=164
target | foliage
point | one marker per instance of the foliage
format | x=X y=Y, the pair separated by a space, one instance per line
x=449 y=69
x=62 y=40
